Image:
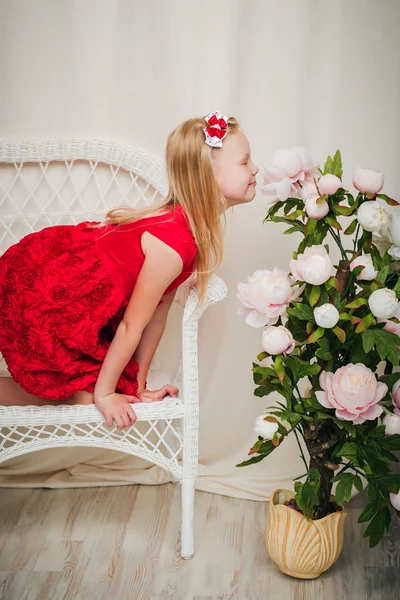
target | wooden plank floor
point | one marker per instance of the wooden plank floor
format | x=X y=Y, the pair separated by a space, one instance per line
x=123 y=543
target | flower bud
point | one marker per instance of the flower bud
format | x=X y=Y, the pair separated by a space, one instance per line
x=326 y=316
x=265 y=429
x=383 y=303
x=276 y=340
x=368 y=181
x=329 y=184
x=392 y=424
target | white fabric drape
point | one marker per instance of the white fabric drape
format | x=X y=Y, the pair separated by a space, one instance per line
x=299 y=72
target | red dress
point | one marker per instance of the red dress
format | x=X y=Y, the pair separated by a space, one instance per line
x=63 y=292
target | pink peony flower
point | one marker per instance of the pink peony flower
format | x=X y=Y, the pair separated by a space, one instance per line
x=329 y=184
x=368 y=181
x=287 y=168
x=353 y=392
x=310 y=195
x=396 y=397
x=266 y=296
x=277 y=340
x=313 y=266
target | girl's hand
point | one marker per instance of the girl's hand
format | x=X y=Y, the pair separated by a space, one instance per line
x=157 y=395
x=117 y=407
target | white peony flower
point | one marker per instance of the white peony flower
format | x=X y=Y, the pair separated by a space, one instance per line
x=313 y=266
x=278 y=191
x=383 y=303
x=391 y=423
x=368 y=180
x=314 y=210
x=288 y=167
x=266 y=296
x=265 y=429
x=394 y=227
x=329 y=184
x=394 y=252
x=326 y=316
x=396 y=397
x=277 y=340
x=369 y=272
x=372 y=216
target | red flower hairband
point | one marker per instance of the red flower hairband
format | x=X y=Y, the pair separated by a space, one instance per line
x=217 y=129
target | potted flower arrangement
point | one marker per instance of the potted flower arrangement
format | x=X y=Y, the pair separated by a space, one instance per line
x=335 y=328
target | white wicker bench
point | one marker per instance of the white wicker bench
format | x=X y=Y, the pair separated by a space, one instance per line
x=67 y=181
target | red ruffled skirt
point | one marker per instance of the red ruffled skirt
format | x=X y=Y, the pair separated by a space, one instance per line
x=59 y=310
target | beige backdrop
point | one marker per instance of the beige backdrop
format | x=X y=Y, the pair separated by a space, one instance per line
x=306 y=72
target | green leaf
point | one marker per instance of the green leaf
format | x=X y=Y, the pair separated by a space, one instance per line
x=301 y=311
x=367 y=514
x=265 y=449
x=344 y=487
x=316 y=335
x=324 y=349
x=315 y=295
x=396 y=288
x=279 y=367
x=334 y=165
x=387 y=199
x=262 y=355
x=357 y=303
x=386 y=343
x=346 y=211
x=351 y=228
x=340 y=334
x=333 y=223
x=365 y=323
x=265 y=390
x=252 y=460
x=332 y=282
x=289 y=204
x=383 y=273
x=307 y=493
x=347 y=450
x=310 y=226
x=378 y=526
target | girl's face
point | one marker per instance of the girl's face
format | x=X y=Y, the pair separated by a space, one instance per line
x=234 y=170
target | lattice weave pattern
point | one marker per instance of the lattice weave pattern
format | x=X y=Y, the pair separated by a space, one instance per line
x=68 y=181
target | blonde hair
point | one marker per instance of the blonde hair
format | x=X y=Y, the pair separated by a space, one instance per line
x=192 y=184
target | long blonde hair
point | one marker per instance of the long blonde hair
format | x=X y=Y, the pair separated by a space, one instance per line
x=192 y=184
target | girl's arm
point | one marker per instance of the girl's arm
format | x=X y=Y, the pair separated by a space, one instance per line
x=161 y=266
x=151 y=338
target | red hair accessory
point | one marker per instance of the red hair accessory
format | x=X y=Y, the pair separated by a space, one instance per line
x=217 y=129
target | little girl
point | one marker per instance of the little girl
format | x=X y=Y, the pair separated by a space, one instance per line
x=83 y=307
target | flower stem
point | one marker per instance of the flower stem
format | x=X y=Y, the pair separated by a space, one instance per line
x=338 y=241
x=350 y=465
x=300 y=477
x=300 y=398
x=301 y=449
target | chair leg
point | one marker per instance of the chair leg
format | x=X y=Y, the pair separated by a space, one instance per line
x=187 y=539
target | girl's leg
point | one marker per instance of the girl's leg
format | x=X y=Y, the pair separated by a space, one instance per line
x=12 y=394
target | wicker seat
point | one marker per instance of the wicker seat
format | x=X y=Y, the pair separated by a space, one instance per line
x=65 y=182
